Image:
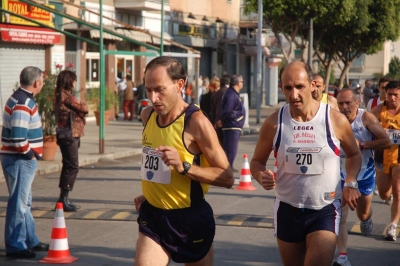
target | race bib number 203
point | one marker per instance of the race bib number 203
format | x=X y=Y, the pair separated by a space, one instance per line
x=153 y=168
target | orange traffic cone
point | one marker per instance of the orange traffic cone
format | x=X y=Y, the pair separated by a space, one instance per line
x=58 y=250
x=245 y=176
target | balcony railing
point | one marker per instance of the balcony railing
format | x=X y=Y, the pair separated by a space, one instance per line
x=139 y=5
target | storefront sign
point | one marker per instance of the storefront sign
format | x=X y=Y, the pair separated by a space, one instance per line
x=22 y=34
x=28 y=11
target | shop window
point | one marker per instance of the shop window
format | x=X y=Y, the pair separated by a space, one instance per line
x=95 y=70
x=124 y=67
x=92 y=70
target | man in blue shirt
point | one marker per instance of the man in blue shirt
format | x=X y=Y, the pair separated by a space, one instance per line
x=232 y=117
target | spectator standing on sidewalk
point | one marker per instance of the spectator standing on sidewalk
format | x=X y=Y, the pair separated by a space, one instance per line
x=181 y=159
x=129 y=100
x=370 y=136
x=216 y=101
x=121 y=84
x=205 y=102
x=232 y=118
x=70 y=114
x=203 y=88
x=22 y=146
x=306 y=137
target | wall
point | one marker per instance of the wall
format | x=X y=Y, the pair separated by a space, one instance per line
x=226 y=11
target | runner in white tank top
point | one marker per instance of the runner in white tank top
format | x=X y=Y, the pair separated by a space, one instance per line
x=306 y=135
x=308 y=158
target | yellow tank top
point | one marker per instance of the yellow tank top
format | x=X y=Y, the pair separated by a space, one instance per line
x=390 y=122
x=181 y=192
x=324 y=98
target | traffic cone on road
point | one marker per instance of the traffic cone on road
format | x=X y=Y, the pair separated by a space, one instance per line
x=245 y=176
x=58 y=250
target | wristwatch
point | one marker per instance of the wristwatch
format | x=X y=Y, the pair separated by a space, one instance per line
x=353 y=185
x=361 y=144
x=186 y=167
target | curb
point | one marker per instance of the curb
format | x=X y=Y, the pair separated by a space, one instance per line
x=250 y=131
x=48 y=167
x=54 y=167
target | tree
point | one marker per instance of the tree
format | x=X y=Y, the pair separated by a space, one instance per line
x=343 y=29
x=394 y=67
x=375 y=22
x=370 y=24
x=290 y=18
x=331 y=79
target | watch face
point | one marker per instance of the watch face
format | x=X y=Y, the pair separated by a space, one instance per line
x=352 y=185
x=186 y=166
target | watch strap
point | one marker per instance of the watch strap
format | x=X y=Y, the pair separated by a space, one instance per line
x=361 y=145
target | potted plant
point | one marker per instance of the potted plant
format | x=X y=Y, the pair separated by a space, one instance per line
x=93 y=98
x=44 y=101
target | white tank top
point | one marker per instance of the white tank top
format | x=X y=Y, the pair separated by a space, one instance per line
x=360 y=133
x=307 y=153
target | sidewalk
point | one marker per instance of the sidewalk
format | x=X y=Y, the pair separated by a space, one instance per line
x=122 y=139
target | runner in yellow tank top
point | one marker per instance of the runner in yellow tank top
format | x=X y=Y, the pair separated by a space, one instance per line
x=387 y=180
x=391 y=157
x=319 y=95
x=172 y=190
x=175 y=222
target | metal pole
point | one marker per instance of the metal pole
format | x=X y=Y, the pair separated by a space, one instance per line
x=196 y=82
x=102 y=81
x=259 y=57
x=310 y=43
x=162 y=29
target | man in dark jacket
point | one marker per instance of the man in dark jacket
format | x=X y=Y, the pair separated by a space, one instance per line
x=232 y=117
x=216 y=100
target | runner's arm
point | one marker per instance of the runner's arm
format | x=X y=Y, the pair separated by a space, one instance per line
x=381 y=139
x=333 y=102
x=342 y=129
x=200 y=137
x=376 y=111
x=262 y=152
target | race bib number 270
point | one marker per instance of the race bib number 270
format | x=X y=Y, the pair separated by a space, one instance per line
x=302 y=160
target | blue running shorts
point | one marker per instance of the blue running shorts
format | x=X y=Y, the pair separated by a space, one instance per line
x=365 y=186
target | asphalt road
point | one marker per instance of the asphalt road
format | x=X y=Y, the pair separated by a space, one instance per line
x=104 y=231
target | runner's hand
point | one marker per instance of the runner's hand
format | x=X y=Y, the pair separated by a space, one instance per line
x=171 y=157
x=350 y=196
x=138 y=201
x=267 y=180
